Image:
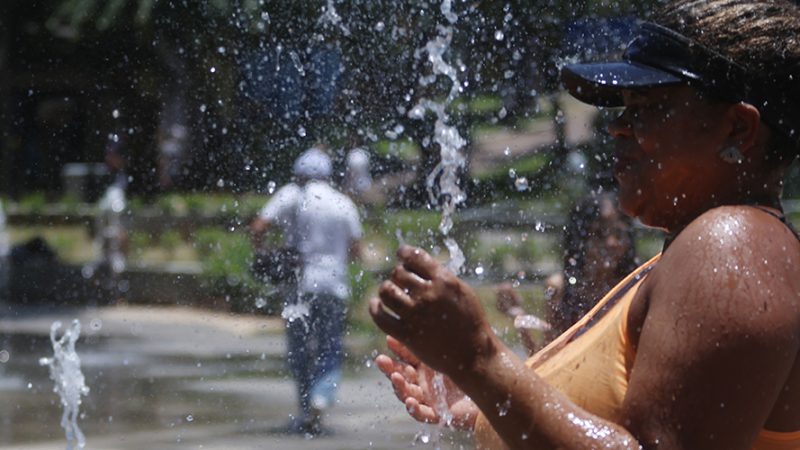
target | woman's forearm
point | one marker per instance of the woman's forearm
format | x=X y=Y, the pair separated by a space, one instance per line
x=529 y=413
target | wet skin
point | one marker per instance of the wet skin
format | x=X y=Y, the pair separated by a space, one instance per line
x=716 y=324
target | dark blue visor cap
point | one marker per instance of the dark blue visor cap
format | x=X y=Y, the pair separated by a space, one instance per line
x=660 y=57
x=601 y=84
x=657 y=57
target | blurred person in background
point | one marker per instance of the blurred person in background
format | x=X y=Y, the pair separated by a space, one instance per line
x=111 y=226
x=357 y=177
x=599 y=251
x=324 y=227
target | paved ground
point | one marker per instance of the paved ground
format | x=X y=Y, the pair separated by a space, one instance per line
x=180 y=378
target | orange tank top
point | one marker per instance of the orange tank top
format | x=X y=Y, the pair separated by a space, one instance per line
x=591 y=364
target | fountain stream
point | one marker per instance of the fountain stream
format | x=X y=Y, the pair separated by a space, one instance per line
x=65 y=371
x=442 y=182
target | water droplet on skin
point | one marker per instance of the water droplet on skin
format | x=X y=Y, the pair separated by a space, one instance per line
x=502 y=409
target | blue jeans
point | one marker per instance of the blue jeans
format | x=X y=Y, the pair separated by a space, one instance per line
x=315 y=350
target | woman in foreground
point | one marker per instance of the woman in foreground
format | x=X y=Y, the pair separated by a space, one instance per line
x=696 y=349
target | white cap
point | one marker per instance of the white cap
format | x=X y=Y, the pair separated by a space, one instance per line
x=358 y=158
x=313 y=164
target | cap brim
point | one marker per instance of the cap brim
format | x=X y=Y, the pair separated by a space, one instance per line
x=601 y=84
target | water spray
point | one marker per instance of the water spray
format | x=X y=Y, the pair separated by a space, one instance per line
x=65 y=371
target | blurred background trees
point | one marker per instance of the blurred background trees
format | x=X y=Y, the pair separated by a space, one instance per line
x=223 y=94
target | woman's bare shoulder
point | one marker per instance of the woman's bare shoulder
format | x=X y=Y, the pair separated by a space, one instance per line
x=737 y=256
x=743 y=233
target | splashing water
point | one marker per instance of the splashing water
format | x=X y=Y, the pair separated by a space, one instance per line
x=330 y=16
x=447 y=194
x=296 y=311
x=65 y=371
x=442 y=182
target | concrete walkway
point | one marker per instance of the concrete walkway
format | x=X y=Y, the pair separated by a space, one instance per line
x=181 y=378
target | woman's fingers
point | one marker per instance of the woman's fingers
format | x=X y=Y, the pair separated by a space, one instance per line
x=404 y=388
x=402 y=351
x=395 y=298
x=418 y=261
x=386 y=320
x=420 y=411
x=410 y=281
x=387 y=365
x=390 y=366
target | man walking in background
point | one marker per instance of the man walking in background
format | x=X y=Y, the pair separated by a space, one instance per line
x=323 y=226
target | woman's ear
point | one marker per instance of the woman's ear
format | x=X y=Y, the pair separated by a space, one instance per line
x=745 y=122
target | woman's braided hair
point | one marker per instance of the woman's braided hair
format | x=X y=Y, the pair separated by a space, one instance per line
x=761 y=35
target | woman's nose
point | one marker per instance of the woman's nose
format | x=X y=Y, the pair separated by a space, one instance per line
x=620 y=127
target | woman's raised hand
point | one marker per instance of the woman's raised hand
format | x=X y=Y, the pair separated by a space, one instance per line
x=413 y=383
x=433 y=313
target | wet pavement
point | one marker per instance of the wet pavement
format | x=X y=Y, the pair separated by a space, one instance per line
x=181 y=378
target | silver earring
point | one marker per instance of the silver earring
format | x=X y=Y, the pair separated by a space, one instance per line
x=731 y=155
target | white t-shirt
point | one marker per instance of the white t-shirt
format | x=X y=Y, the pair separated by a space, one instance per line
x=320 y=222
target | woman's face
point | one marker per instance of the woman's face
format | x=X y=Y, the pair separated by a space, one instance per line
x=667 y=154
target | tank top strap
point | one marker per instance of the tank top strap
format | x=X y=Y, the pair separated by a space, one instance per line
x=602 y=307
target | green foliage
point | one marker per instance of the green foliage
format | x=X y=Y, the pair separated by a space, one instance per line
x=414 y=225
x=404 y=149
x=361 y=280
x=522 y=167
x=33 y=203
x=224 y=254
x=170 y=240
x=138 y=241
x=225 y=259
